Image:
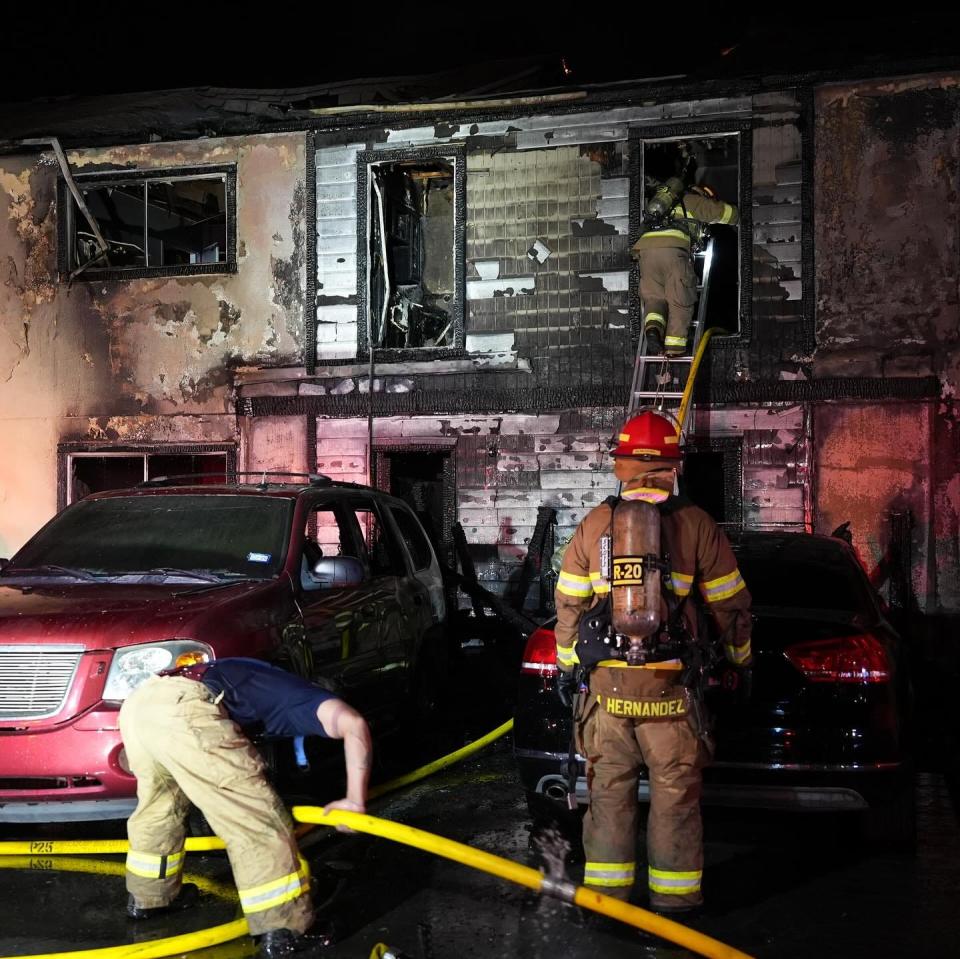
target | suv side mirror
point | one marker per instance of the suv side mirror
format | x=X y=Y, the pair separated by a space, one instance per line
x=334 y=571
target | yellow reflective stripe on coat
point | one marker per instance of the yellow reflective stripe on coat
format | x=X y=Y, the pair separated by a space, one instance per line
x=150 y=866
x=648 y=494
x=675 y=341
x=276 y=893
x=681 y=583
x=567 y=656
x=736 y=654
x=727 y=214
x=572 y=585
x=722 y=587
x=609 y=873
x=674 y=883
x=660 y=664
x=600 y=585
x=679 y=234
x=656 y=318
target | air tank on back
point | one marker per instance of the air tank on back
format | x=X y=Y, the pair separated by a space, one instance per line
x=635 y=580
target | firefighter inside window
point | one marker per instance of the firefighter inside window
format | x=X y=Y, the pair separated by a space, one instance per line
x=688 y=186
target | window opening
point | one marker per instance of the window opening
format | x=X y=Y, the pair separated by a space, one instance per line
x=96 y=472
x=705 y=162
x=327 y=534
x=151 y=223
x=411 y=275
x=417 y=544
x=382 y=556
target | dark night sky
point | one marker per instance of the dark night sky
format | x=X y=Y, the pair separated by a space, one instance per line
x=111 y=47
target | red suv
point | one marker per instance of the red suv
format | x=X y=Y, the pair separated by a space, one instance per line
x=335 y=581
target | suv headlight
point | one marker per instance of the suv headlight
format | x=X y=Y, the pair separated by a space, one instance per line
x=133 y=665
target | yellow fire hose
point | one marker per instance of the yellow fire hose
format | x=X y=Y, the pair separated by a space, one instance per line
x=522 y=876
x=397 y=832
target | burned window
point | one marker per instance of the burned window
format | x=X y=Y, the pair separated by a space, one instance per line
x=411 y=260
x=156 y=223
x=707 y=166
x=97 y=470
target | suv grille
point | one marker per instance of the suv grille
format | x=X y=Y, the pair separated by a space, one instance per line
x=35 y=680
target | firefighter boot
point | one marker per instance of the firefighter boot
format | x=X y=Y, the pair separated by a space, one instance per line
x=278 y=943
x=654 y=340
x=184 y=899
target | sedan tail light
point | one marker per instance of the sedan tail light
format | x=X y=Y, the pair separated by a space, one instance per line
x=846 y=659
x=540 y=654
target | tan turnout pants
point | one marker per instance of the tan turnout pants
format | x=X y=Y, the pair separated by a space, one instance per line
x=183 y=748
x=668 y=292
x=615 y=747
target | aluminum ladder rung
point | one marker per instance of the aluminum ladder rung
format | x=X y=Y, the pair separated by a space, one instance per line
x=654 y=394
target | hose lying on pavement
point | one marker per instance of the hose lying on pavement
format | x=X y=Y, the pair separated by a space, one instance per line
x=522 y=876
x=397 y=832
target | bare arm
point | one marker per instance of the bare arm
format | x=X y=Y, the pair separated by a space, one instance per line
x=341 y=721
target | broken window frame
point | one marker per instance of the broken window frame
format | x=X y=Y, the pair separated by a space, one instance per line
x=743 y=130
x=68 y=223
x=366 y=210
x=68 y=452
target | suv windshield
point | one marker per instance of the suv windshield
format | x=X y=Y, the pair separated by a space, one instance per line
x=223 y=534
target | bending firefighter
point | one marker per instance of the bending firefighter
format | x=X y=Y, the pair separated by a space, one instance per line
x=182 y=736
x=674 y=229
x=627 y=623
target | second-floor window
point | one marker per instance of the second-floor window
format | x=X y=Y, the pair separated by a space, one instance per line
x=154 y=223
x=414 y=263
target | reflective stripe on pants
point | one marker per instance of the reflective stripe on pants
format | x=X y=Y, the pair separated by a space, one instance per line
x=183 y=748
x=615 y=748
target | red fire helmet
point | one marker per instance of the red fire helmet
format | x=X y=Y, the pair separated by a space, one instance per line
x=648 y=436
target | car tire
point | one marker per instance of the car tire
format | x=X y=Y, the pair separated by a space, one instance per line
x=892 y=822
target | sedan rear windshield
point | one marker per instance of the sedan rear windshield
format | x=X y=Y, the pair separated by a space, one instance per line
x=804 y=579
x=218 y=534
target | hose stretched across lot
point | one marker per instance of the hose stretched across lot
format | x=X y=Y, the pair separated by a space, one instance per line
x=397 y=832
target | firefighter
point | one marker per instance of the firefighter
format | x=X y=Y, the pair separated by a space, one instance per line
x=674 y=229
x=183 y=741
x=643 y=715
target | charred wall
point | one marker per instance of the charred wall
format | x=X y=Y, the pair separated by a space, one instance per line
x=887 y=228
x=139 y=360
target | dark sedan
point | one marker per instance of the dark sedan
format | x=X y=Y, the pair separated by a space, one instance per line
x=825 y=725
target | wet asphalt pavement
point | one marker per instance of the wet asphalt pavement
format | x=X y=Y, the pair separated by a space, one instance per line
x=777 y=885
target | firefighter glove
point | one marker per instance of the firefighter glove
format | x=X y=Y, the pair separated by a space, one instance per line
x=567 y=686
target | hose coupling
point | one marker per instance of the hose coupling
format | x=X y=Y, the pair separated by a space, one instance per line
x=558 y=888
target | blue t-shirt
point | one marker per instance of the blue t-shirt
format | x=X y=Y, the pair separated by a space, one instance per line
x=258 y=694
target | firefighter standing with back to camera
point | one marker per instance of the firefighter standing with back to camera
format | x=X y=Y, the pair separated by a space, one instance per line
x=675 y=221
x=632 y=624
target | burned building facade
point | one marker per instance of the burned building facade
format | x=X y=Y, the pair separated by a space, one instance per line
x=440 y=300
